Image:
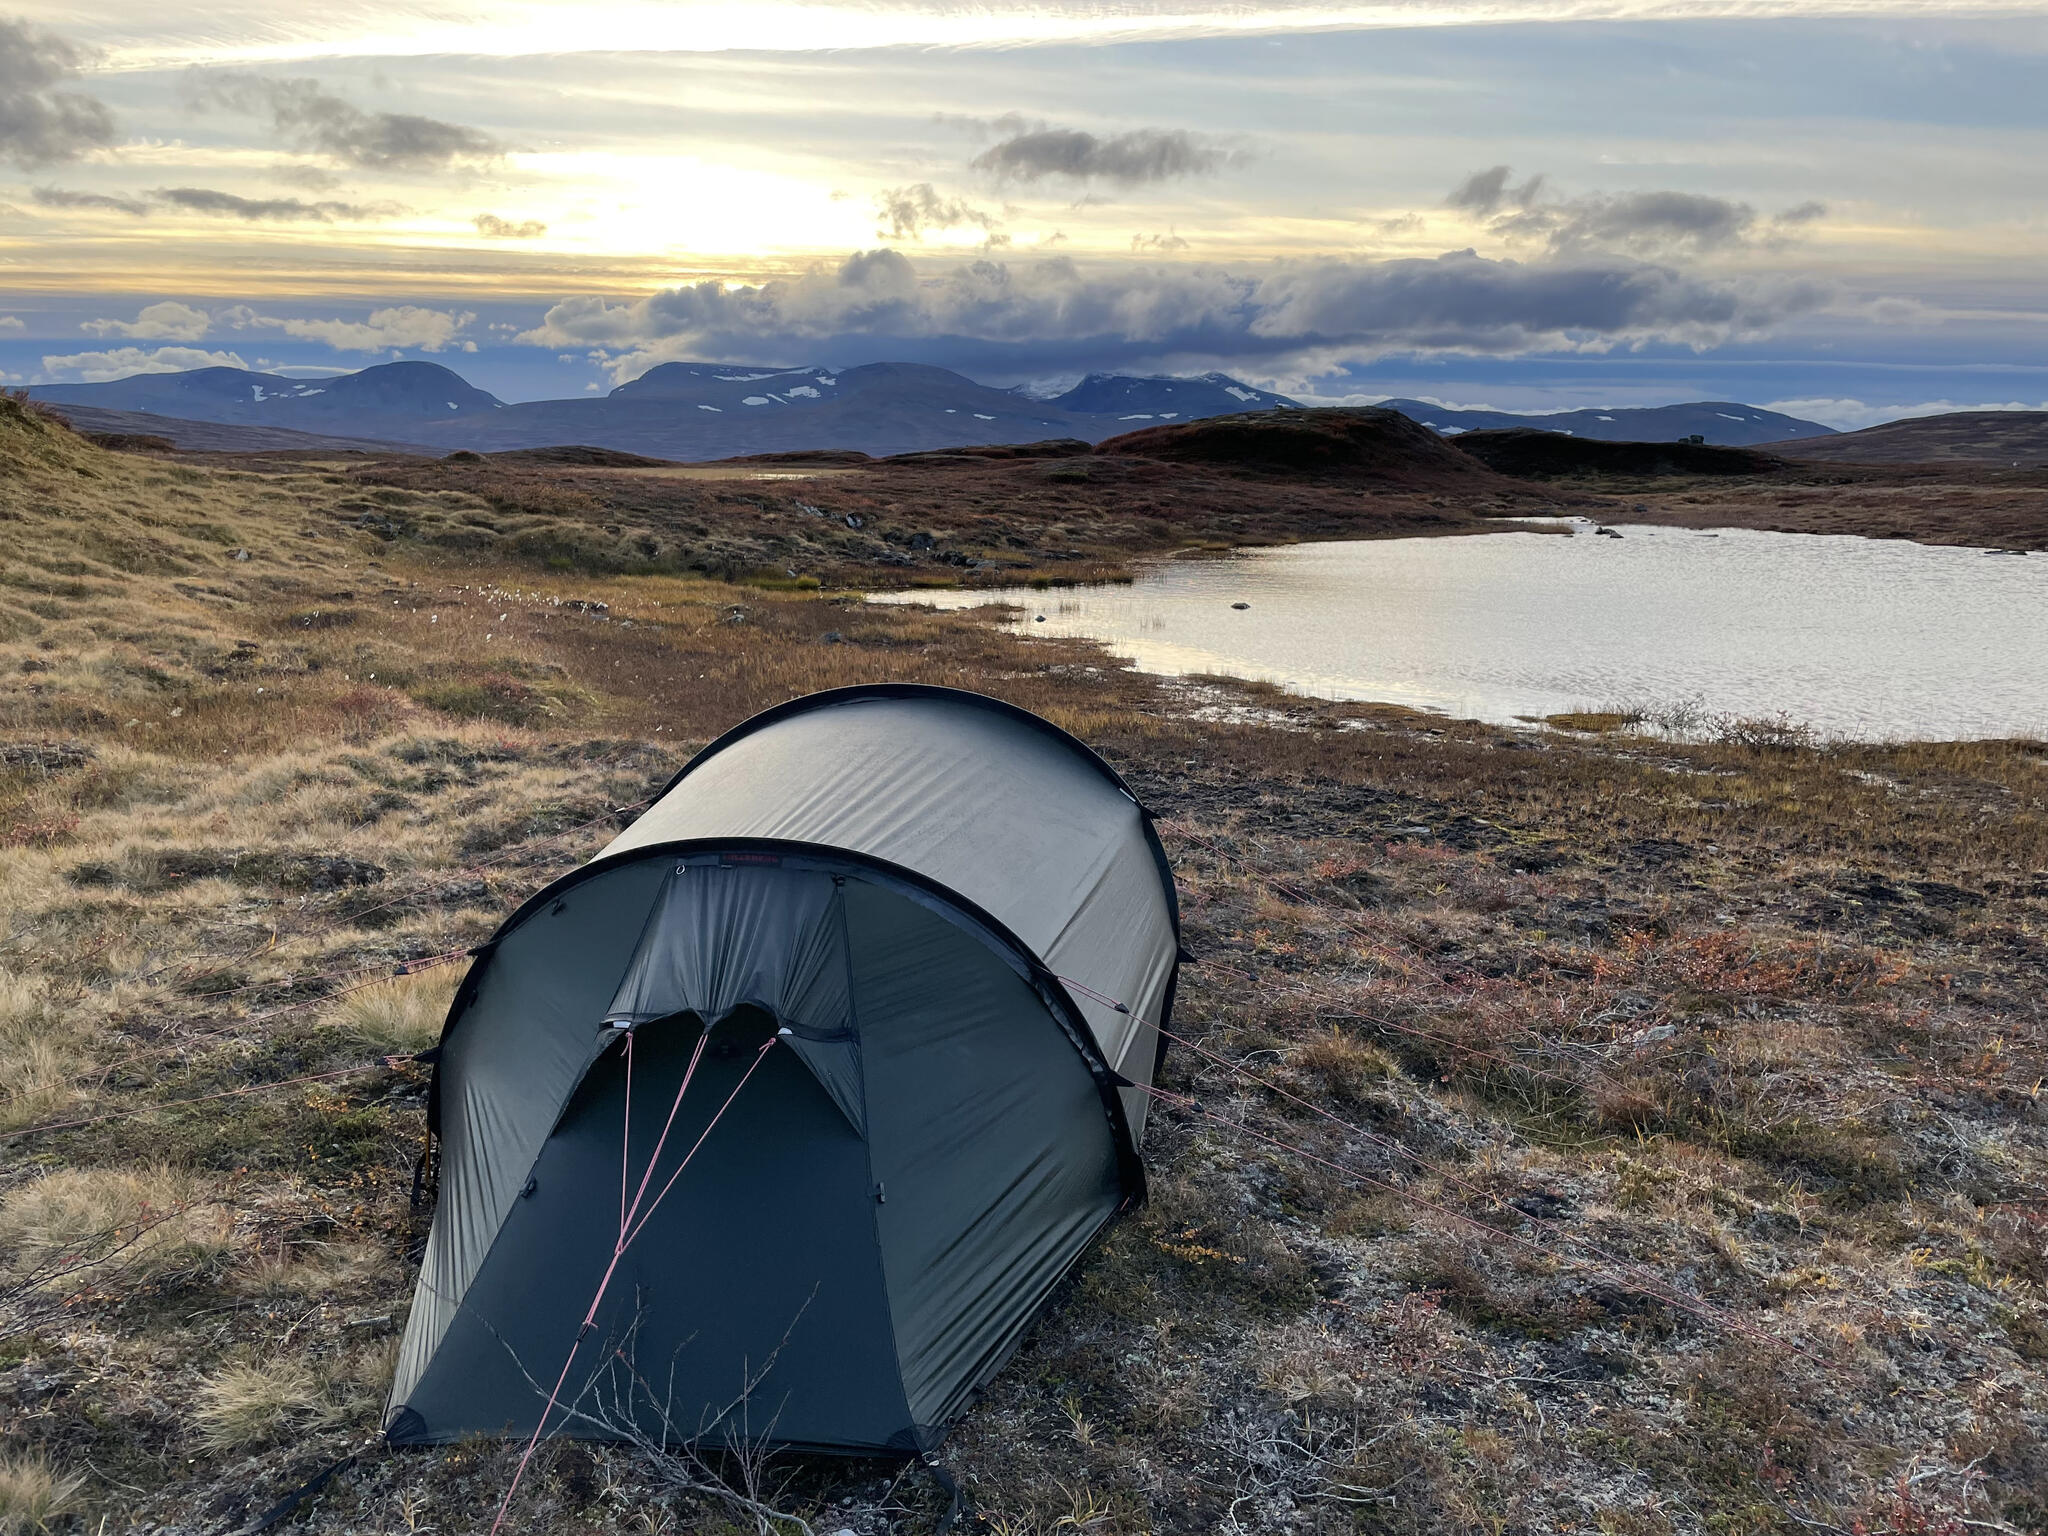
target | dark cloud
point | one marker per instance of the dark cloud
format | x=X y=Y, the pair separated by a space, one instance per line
x=1638 y=221
x=905 y=213
x=504 y=229
x=1019 y=318
x=312 y=119
x=1487 y=192
x=1141 y=156
x=59 y=197
x=268 y=209
x=1166 y=242
x=1645 y=224
x=40 y=124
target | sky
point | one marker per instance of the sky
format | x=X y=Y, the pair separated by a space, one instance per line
x=1837 y=208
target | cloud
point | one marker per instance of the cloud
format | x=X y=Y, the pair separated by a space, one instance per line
x=405 y=328
x=120 y=362
x=1166 y=242
x=58 y=197
x=315 y=121
x=40 y=124
x=504 y=229
x=260 y=209
x=1487 y=192
x=1647 y=224
x=908 y=212
x=314 y=178
x=1018 y=317
x=1142 y=156
x=11 y=323
x=167 y=321
x=219 y=204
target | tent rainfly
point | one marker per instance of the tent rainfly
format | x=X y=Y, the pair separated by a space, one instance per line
x=851 y=969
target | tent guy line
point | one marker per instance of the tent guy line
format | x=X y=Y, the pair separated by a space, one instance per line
x=631 y=1221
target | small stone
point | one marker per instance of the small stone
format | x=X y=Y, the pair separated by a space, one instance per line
x=1240 y=607
x=239 y=554
x=1039 y=620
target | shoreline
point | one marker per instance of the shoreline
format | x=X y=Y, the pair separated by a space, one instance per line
x=1134 y=616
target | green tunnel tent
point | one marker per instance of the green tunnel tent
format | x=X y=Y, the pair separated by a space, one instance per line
x=900 y=909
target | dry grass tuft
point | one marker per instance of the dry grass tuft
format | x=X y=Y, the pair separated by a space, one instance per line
x=38 y=1058
x=403 y=1014
x=32 y=1491
x=251 y=1403
x=1342 y=1065
x=104 y=1223
x=257 y=1400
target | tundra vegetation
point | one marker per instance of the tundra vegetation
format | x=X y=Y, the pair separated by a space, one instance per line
x=1576 y=1130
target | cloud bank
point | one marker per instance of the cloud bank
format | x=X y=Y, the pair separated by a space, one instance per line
x=120 y=362
x=1006 y=316
x=1648 y=224
x=402 y=328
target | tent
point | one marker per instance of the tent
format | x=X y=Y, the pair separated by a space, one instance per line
x=819 y=1078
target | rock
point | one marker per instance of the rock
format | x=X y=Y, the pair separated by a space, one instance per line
x=854 y=520
x=1039 y=620
x=45 y=756
x=1240 y=607
x=832 y=637
x=922 y=541
x=1542 y=1204
x=1640 y=507
x=239 y=554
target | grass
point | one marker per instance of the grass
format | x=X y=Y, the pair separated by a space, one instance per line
x=104 y=1226
x=32 y=1492
x=254 y=1402
x=1758 y=1015
x=404 y=1014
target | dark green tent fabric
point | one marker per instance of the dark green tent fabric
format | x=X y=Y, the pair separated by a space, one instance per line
x=909 y=897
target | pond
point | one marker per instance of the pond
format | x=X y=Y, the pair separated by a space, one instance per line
x=1857 y=638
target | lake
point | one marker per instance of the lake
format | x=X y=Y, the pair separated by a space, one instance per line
x=1859 y=638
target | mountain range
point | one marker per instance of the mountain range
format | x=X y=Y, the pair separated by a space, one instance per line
x=711 y=411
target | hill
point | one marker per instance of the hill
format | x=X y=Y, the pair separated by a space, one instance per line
x=2010 y=438
x=219 y=437
x=1725 y=423
x=1344 y=442
x=1530 y=455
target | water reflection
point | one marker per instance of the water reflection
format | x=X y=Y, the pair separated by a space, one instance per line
x=1857 y=637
